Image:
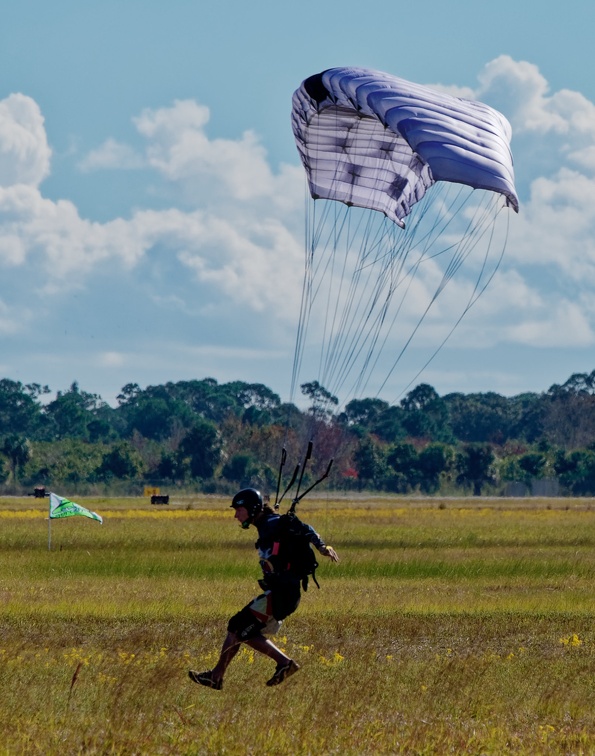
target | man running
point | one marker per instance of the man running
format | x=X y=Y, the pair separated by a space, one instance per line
x=282 y=577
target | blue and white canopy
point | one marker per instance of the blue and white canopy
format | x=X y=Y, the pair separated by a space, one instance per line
x=375 y=141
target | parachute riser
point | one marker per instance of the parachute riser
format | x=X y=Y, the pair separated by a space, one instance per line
x=297 y=499
x=281 y=466
x=299 y=469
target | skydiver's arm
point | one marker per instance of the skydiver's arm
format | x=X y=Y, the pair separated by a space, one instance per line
x=302 y=528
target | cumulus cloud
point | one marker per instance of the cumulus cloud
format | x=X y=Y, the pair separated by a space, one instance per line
x=111 y=155
x=67 y=245
x=553 y=238
x=523 y=92
x=234 y=248
x=180 y=150
x=24 y=150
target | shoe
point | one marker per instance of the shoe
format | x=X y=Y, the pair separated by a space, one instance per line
x=282 y=672
x=205 y=678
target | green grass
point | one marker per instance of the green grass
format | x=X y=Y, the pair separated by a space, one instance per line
x=454 y=626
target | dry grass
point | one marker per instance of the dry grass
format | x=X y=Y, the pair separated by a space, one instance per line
x=449 y=627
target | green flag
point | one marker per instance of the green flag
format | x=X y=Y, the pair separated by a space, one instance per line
x=61 y=507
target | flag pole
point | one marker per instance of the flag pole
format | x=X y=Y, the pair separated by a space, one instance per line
x=50 y=523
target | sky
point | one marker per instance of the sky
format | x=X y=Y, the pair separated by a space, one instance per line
x=152 y=198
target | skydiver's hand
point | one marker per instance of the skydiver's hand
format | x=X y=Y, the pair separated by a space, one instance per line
x=329 y=552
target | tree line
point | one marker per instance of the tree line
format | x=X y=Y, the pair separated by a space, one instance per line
x=203 y=435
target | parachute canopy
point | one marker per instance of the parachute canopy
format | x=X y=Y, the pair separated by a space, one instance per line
x=378 y=150
x=376 y=141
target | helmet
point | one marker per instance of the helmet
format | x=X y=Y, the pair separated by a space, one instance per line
x=251 y=500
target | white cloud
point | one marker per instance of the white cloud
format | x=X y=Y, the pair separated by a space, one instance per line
x=111 y=155
x=521 y=91
x=111 y=359
x=67 y=244
x=563 y=324
x=180 y=150
x=24 y=150
x=13 y=319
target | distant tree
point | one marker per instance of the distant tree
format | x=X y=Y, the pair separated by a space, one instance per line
x=322 y=401
x=256 y=416
x=569 y=418
x=480 y=418
x=128 y=393
x=4 y=473
x=533 y=465
x=154 y=412
x=474 y=465
x=426 y=414
x=122 y=461
x=255 y=395
x=528 y=412
x=432 y=462
x=200 y=449
x=369 y=462
x=18 y=451
x=67 y=461
x=207 y=399
x=241 y=469
x=389 y=426
x=20 y=411
x=577 y=471
x=101 y=429
x=579 y=384
x=364 y=412
x=421 y=397
x=403 y=461
x=71 y=412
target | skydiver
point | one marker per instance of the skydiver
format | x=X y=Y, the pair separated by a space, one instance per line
x=280 y=583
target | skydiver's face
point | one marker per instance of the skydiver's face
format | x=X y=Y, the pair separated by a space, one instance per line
x=241 y=515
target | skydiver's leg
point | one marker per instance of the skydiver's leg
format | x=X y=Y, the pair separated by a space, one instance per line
x=231 y=646
x=265 y=646
x=242 y=627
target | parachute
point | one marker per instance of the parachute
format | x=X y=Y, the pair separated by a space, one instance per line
x=405 y=186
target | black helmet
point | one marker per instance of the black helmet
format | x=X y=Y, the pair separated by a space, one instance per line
x=251 y=500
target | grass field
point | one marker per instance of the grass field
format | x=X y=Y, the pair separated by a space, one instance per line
x=450 y=626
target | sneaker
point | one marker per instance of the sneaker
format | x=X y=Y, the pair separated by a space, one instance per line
x=205 y=678
x=282 y=672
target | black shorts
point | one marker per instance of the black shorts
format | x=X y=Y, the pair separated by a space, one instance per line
x=264 y=614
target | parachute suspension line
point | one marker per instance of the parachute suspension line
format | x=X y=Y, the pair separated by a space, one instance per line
x=302 y=327
x=356 y=266
x=479 y=287
x=398 y=244
x=474 y=232
x=343 y=326
x=345 y=309
x=437 y=230
x=330 y=318
x=393 y=275
x=467 y=308
x=365 y=333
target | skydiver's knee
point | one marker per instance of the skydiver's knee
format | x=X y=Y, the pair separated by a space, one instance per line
x=232 y=638
x=244 y=625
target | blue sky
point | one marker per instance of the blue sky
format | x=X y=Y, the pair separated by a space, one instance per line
x=151 y=196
